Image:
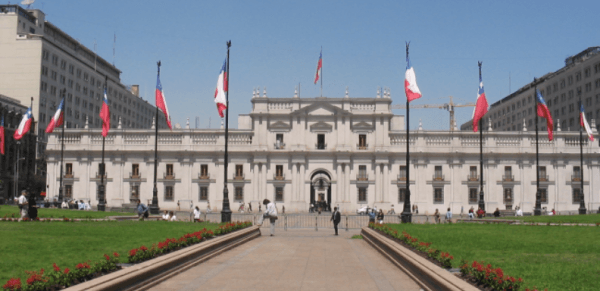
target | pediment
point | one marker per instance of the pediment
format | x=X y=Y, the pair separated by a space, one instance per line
x=280 y=125
x=362 y=125
x=322 y=109
x=321 y=127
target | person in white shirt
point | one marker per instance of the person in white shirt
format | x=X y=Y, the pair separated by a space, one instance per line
x=166 y=216
x=172 y=216
x=86 y=206
x=271 y=213
x=80 y=205
x=519 y=212
x=64 y=205
x=23 y=204
x=197 y=214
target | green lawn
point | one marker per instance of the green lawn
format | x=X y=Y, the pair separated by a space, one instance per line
x=35 y=245
x=59 y=213
x=553 y=257
x=589 y=218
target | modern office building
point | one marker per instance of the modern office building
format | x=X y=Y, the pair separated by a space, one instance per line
x=39 y=60
x=347 y=152
x=562 y=90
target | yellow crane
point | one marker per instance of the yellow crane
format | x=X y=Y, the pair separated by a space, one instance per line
x=447 y=106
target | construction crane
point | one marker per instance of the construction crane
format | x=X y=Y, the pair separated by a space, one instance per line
x=447 y=106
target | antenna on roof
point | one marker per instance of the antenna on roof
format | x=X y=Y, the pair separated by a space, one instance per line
x=27 y=3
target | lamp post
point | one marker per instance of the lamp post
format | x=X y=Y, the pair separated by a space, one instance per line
x=226 y=211
x=582 y=209
x=537 y=211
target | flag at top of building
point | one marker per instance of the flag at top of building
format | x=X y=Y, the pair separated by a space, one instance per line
x=319 y=67
x=585 y=124
x=2 y=134
x=105 y=113
x=57 y=119
x=220 y=98
x=161 y=103
x=543 y=111
x=24 y=125
x=481 y=107
x=410 y=81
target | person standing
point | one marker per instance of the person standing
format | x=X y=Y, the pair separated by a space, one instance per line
x=471 y=215
x=336 y=217
x=23 y=203
x=372 y=215
x=436 y=216
x=142 y=211
x=197 y=214
x=449 y=215
x=271 y=213
x=380 y=216
x=249 y=207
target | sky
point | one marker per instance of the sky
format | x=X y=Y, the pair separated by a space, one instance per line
x=276 y=44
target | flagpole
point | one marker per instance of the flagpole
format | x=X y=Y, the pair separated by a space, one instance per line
x=226 y=211
x=62 y=148
x=537 y=211
x=101 y=189
x=321 y=71
x=582 y=209
x=154 y=206
x=406 y=215
x=31 y=137
x=481 y=195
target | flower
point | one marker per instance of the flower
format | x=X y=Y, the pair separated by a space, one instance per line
x=66 y=271
x=116 y=254
x=13 y=284
x=132 y=252
x=143 y=248
x=107 y=257
x=56 y=268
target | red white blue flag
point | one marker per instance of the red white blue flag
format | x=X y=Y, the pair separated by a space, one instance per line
x=585 y=124
x=24 y=125
x=2 y=135
x=319 y=67
x=57 y=119
x=220 y=98
x=161 y=103
x=543 y=111
x=410 y=82
x=481 y=107
x=105 y=114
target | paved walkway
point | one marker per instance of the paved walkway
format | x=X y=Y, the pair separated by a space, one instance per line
x=296 y=260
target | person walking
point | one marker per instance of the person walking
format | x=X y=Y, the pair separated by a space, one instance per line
x=23 y=203
x=336 y=217
x=436 y=216
x=372 y=215
x=271 y=213
x=142 y=211
x=449 y=216
x=249 y=207
x=380 y=216
x=197 y=214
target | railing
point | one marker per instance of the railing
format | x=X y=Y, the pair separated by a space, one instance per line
x=544 y=178
x=169 y=176
x=472 y=177
x=576 y=177
x=508 y=178
x=279 y=146
x=402 y=177
x=279 y=177
x=321 y=146
x=98 y=176
x=362 y=177
x=239 y=177
x=204 y=176
x=438 y=177
x=69 y=175
x=362 y=146
x=137 y=175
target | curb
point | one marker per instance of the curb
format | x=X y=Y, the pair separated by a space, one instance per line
x=427 y=274
x=149 y=273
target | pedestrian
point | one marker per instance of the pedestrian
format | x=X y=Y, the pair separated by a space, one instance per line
x=283 y=209
x=64 y=205
x=413 y=208
x=165 y=216
x=249 y=207
x=480 y=213
x=172 y=216
x=23 y=203
x=416 y=209
x=449 y=216
x=471 y=215
x=208 y=210
x=380 y=216
x=271 y=213
x=142 y=211
x=497 y=213
x=336 y=217
x=259 y=208
x=436 y=216
x=372 y=215
x=197 y=214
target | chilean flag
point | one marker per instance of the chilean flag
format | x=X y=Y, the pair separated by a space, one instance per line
x=585 y=124
x=24 y=125
x=161 y=103
x=57 y=119
x=319 y=67
x=2 y=135
x=543 y=111
x=410 y=82
x=481 y=108
x=105 y=114
x=220 y=97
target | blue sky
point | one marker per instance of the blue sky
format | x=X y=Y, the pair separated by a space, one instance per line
x=275 y=44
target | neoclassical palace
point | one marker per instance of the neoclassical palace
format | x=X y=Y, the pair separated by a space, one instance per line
x=346 y=152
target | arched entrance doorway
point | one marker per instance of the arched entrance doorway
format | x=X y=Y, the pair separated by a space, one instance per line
x=320 y=191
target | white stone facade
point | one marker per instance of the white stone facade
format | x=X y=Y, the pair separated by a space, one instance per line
x=346 y=151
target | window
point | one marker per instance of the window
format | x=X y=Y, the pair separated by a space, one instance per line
x=135 y=193
x=508 y=196
x=362 y=173
x=68 y=170
x=401 y=194
x=63 y=64
x=362 y=195
x=544 y=195
x=170 y=171
x=576 y=174
x=402 y=175
x=576 y=195
x=169 y=193
x=278 y=194
x=78 y=73
x=279 y=141
x=239 y=172
x=438 y=195
x=204 y=171
x=86 y=77
x=71 y=69
x=362 y=141
x=473 y=173
x=53 y=75
x=279 y=172
x=68 y=192
x=438 y=174
x=543 y=176
x=203 y=194
x=321 y=142
x=508 y=174
x=135 y=170
x=239 y=194
x=473 y=196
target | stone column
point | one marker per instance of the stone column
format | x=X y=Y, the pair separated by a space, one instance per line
x=301 y=196
x=263 y=182
x=255 y=182
x=377 y=183
x=339 y=193
x=347 y=182
x=386 y=183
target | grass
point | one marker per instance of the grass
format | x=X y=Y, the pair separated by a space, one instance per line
x=59 y=213
x=35 y=245
x=589 y=218
x=553 y=257
x=357 y=236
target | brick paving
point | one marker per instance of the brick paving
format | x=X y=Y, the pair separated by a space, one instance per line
x=295 y=260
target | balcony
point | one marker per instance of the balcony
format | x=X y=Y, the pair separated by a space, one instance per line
x=438 y=177
x=203 y=176
x=402 y=177
x=69 y=175
x=321 y=146
x=362 y=177
x=508 y=178
x=169 y=176
x=279 y=145
x=279 y=177
x=362 y=146
x=137 y=175
x=472 y=178
x=98 y=175
x=576 y=177
x=544 y=178
x=239 y=177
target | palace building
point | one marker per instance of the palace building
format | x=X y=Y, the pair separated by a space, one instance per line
x=346 y=152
